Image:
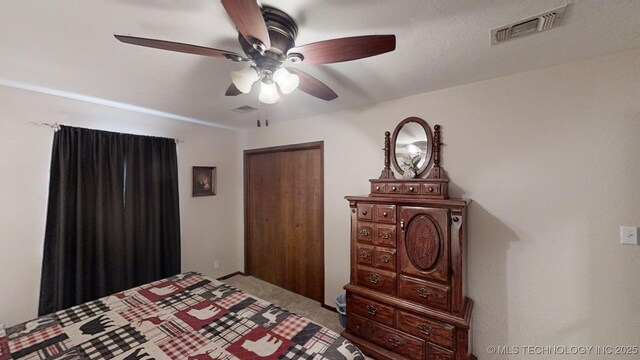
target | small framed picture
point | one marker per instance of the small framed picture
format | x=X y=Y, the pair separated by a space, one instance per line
x=204 y=181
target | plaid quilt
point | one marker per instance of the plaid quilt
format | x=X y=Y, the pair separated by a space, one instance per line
x=188 y=316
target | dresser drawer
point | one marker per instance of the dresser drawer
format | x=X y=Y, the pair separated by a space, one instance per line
x=430 y=330
x=398 y=342
x=394 y=188
x=370 y=309
x=386 y=214
x=424 y=292
x=411 y=189
x=385 y=235
x=357 y=325
x=378 y=280
x=431 y=189
x=378 y=188
x=365 y=255
x=365 y=232
x=365 y=212
x=384 y=259
x=437 y=353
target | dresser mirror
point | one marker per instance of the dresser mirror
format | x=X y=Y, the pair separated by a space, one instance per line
x=412 y=147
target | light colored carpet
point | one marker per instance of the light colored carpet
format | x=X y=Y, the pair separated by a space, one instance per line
x=286 y=299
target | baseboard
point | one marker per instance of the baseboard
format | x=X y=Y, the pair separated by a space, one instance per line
x=231 y=275
x=331 y=308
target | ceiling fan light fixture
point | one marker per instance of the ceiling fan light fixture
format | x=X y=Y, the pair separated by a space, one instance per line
x=244 y=79
x=286 y=80
x=295 y=58
x=259 y=46
x=269 y=93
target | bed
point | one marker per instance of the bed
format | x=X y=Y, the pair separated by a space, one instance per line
x=188 y=316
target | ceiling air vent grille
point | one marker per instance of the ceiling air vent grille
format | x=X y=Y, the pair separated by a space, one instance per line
x=529 y=26
x=244 y=109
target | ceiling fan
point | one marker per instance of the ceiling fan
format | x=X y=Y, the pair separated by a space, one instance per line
x=267 y=37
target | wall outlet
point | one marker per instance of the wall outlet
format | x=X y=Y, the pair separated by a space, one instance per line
x=216 y=264
x=629 y=235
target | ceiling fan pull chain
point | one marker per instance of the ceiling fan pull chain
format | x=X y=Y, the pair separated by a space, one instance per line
x=258 y=121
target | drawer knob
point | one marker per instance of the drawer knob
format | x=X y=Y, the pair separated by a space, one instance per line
x=364 y=255
x=430 y=189
x=385 y=258
x=377 y=188
x=375 y=278
x=364 y=232
x=424 y=329
x=371 y=310
x=456 y=219
x=393 y=188
x=384 y=235
x=423 y=293
x=364 y=212
x=385 y=214
x=411 y=188
x=402 y=224
x=394 y=341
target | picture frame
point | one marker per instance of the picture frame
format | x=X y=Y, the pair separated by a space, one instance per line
x=204 y=181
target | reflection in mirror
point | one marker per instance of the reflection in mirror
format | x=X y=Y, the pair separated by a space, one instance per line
x=411 y=149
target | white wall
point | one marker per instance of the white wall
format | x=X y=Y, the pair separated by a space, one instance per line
x=210 y=225
x=551 y=161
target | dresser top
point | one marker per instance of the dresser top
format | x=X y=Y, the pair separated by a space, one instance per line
x=408 y=200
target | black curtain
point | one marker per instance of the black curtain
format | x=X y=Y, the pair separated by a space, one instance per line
x=152 y=216
x=113 y=216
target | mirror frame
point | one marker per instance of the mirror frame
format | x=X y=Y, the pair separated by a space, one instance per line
x=429 y=154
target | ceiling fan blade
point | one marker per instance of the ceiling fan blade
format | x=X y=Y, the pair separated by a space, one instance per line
x=345 y=49
x=247 y=17
x=180 y=47
x=232 y=91
x=313 y=86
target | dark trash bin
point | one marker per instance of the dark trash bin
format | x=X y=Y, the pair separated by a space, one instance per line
x=341 y=306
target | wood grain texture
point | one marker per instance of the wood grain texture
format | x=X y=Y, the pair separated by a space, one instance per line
x=178 y=47
x=313 y=86
x=345 y=49
x=424 y=250
x=430 y=330
x=284 y=218
x=247 y=17
x=396 y=341
x=431 y=314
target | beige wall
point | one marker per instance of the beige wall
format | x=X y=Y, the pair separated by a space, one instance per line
x=551 y=161
x=210 y=225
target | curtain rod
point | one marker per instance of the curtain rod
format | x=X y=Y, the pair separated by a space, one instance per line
x=55 y=126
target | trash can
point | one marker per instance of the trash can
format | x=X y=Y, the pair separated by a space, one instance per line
x=341 y=306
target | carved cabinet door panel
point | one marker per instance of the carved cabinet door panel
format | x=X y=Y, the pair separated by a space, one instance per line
x=423 y=247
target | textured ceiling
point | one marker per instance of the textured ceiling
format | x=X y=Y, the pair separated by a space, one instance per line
x=68 y=45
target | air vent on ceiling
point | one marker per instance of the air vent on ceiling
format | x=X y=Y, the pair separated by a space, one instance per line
x=532 y=25
x=244 y=109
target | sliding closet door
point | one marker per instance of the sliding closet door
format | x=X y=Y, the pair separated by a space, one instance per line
x=284 y=217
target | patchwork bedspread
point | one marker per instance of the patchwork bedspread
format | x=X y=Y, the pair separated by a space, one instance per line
x=188 y=316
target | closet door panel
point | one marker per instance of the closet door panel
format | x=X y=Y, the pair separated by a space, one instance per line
x=284 y=220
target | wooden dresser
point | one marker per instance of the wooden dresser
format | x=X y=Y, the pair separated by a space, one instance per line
x=406 y=298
